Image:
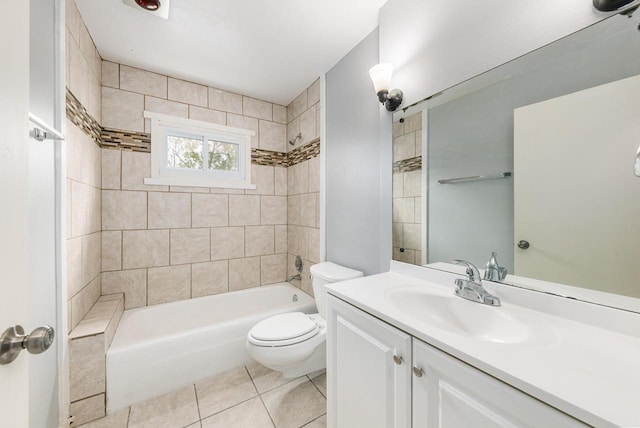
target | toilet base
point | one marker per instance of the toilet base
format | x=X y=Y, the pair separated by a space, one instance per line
x=316 y=361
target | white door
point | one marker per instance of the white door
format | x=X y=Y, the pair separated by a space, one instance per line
x=448 y=393
x=577 y=200
x=28 y=219
x=368 y=370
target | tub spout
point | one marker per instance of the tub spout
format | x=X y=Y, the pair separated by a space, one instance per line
x=296 y=276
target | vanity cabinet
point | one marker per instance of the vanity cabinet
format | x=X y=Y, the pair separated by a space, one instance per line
x=381 y=377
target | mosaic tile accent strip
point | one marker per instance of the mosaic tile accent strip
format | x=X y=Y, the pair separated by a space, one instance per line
x=408 y=165
x=124 y=140
x=306 y=152
x=141 y=141
x=268 y=158
x=80 y=117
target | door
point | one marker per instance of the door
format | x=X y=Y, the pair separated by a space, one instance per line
x=574 y=155
x=29 y=218
x=448 y=393
x=368 y=370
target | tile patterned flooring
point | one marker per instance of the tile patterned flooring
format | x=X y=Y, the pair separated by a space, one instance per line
x=247 y=397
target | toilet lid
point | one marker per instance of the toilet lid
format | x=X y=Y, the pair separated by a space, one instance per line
x=284 y=327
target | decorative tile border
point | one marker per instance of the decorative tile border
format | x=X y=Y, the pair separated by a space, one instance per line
x=408 y=165
x=80 y=117
x=141 y=141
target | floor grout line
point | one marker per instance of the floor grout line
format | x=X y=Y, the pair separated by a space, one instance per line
x=260 y=396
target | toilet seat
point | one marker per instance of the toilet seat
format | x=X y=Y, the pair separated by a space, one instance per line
x=284 y=329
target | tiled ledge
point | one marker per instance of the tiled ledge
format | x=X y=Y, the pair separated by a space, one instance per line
x=88 y=345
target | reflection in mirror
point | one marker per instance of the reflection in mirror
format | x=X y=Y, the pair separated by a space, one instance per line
x=562 y=122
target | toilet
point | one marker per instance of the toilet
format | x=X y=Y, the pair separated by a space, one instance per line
x=294 y=343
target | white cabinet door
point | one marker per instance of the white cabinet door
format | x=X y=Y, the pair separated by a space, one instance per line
x=452 y=394
x=367 y=386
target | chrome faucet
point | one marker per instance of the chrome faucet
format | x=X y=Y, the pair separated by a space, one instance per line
x=471 y=288
x=494 y=272
x=296 y=276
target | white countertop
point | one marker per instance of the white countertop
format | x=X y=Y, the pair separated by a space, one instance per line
x=585 y=360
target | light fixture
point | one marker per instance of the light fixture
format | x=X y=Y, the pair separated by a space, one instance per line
x=149 y=4
x=381 y=77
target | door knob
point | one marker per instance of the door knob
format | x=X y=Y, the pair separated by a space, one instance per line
x=13 y=340
x=523 y=244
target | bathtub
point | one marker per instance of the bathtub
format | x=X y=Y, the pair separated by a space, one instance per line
x=159 y=348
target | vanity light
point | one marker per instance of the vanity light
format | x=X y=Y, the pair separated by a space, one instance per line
x=381 y=77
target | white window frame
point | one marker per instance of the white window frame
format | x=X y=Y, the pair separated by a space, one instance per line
x=163 y=125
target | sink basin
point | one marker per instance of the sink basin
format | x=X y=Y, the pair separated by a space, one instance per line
x=460 y=316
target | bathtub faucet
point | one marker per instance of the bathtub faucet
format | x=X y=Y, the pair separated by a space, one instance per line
x=296 y=276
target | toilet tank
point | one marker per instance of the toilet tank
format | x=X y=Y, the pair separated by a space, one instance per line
x=328 y=273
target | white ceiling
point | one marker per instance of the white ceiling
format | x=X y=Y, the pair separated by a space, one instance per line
x=270 y=50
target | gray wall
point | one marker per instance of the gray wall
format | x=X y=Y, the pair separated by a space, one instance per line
x=358 y=159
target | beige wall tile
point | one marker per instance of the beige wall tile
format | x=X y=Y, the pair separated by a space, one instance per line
x=273 y=209
x=263 y=177
x=279 y=114
x=72 y=19
x=413 y=122
x=398 y=129
x=225 y=101
x=79 y=72
x=406 y=256
x=298 y=178
x=280 y=185
x=187 y=92
x=143 y=82
x=136 y=167
x=397 y=234
x=403 y=210
x=314 y=174
x=297 y=106
x=190 y=246
x=111 y=168
x=110 y=74
x=158 y=105
x=293 y=129
x=122 y=110
x=227 y=243
x=313 y=93
x=145 y=248
x=308 y=210
x=273 y=269
x=308 y=126
x=398 y=185
x=257 y=108
x=412 y=236
x=91 y=256
x=294 y=207
x=244 y=122
x=273 y=136
x=83 y=157
x=88 y=410
x=168 y=284
x=169 y=210
x=413 y=183
x=314 y=245
x=281 y=239
x=87 y=370
x=418 y=209
x=82 y=302
x=298 y=241
x=209 y=278
x=74 y=266
x=133 y=283
x=85 y=209
x=259 y=240
x=244 y=210
x=67 y=59
x=207 y=115
x=404 y=147
x=209 y=210
x=244 y=273
x=124 y=210
x=111 y=250
x=419 y=142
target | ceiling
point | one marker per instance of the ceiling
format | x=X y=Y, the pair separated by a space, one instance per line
x=270 y=50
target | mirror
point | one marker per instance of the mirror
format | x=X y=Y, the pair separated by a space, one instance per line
x=533 y=160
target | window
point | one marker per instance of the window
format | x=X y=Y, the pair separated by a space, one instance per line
x=187 y=152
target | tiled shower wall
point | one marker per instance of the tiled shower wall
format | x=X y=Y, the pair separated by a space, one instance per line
x=83 y=76
x=407 y=187
x=304 y=185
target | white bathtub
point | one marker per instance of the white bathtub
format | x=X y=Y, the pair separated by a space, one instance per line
x=159 y=348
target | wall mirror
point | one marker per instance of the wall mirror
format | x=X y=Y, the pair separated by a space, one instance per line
x=533 y=160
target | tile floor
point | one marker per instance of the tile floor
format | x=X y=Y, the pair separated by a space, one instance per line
x=247 y=397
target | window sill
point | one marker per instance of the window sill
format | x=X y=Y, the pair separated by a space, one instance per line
x=198 y=182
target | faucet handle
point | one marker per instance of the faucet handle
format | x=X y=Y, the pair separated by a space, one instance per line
x=473 y=273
